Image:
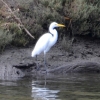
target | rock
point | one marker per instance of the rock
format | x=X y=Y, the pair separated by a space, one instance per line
x=10 y=73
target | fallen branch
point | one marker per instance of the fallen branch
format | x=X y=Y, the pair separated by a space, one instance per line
x=17 y=19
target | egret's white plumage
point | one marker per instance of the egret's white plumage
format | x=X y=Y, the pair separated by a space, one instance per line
x=47 y=40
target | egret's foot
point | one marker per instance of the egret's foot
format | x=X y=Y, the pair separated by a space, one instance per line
x=47 y=71
x=44 y=71
x=37 y=67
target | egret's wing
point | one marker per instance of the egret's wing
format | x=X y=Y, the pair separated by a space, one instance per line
x=52 y=40
x=41 y=44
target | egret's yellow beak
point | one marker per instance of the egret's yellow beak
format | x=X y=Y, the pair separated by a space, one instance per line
x=61 y=25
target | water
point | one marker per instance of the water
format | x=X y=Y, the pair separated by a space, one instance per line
x=69 y=87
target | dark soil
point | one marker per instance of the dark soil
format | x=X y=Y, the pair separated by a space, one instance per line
x=83 y=56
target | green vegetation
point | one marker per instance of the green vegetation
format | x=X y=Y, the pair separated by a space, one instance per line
x=5 y=39
x=37 y=14
x=85 y=16
x=19 y=38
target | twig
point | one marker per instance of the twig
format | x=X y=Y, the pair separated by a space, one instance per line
x=69 y=21
x=70 y=25
x=18 y=19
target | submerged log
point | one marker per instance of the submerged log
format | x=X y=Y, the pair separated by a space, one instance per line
x=77 y=67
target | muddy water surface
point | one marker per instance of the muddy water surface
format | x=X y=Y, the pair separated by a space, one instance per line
x=69 y=87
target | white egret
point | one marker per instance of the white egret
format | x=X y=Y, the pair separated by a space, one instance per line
x=46 y=41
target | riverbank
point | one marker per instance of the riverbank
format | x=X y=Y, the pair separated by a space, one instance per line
x=84 y=56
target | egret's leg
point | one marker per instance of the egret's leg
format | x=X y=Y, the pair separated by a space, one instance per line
x=37 y=65
x=45 y=61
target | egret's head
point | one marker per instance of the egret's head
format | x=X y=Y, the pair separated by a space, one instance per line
x=54 y=25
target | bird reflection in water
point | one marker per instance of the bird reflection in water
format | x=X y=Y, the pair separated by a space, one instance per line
x=41 y=92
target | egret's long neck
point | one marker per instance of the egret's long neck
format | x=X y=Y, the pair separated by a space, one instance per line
x=52 y=31
x=54 y=34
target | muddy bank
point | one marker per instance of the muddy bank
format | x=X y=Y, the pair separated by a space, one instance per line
x=84 y=56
